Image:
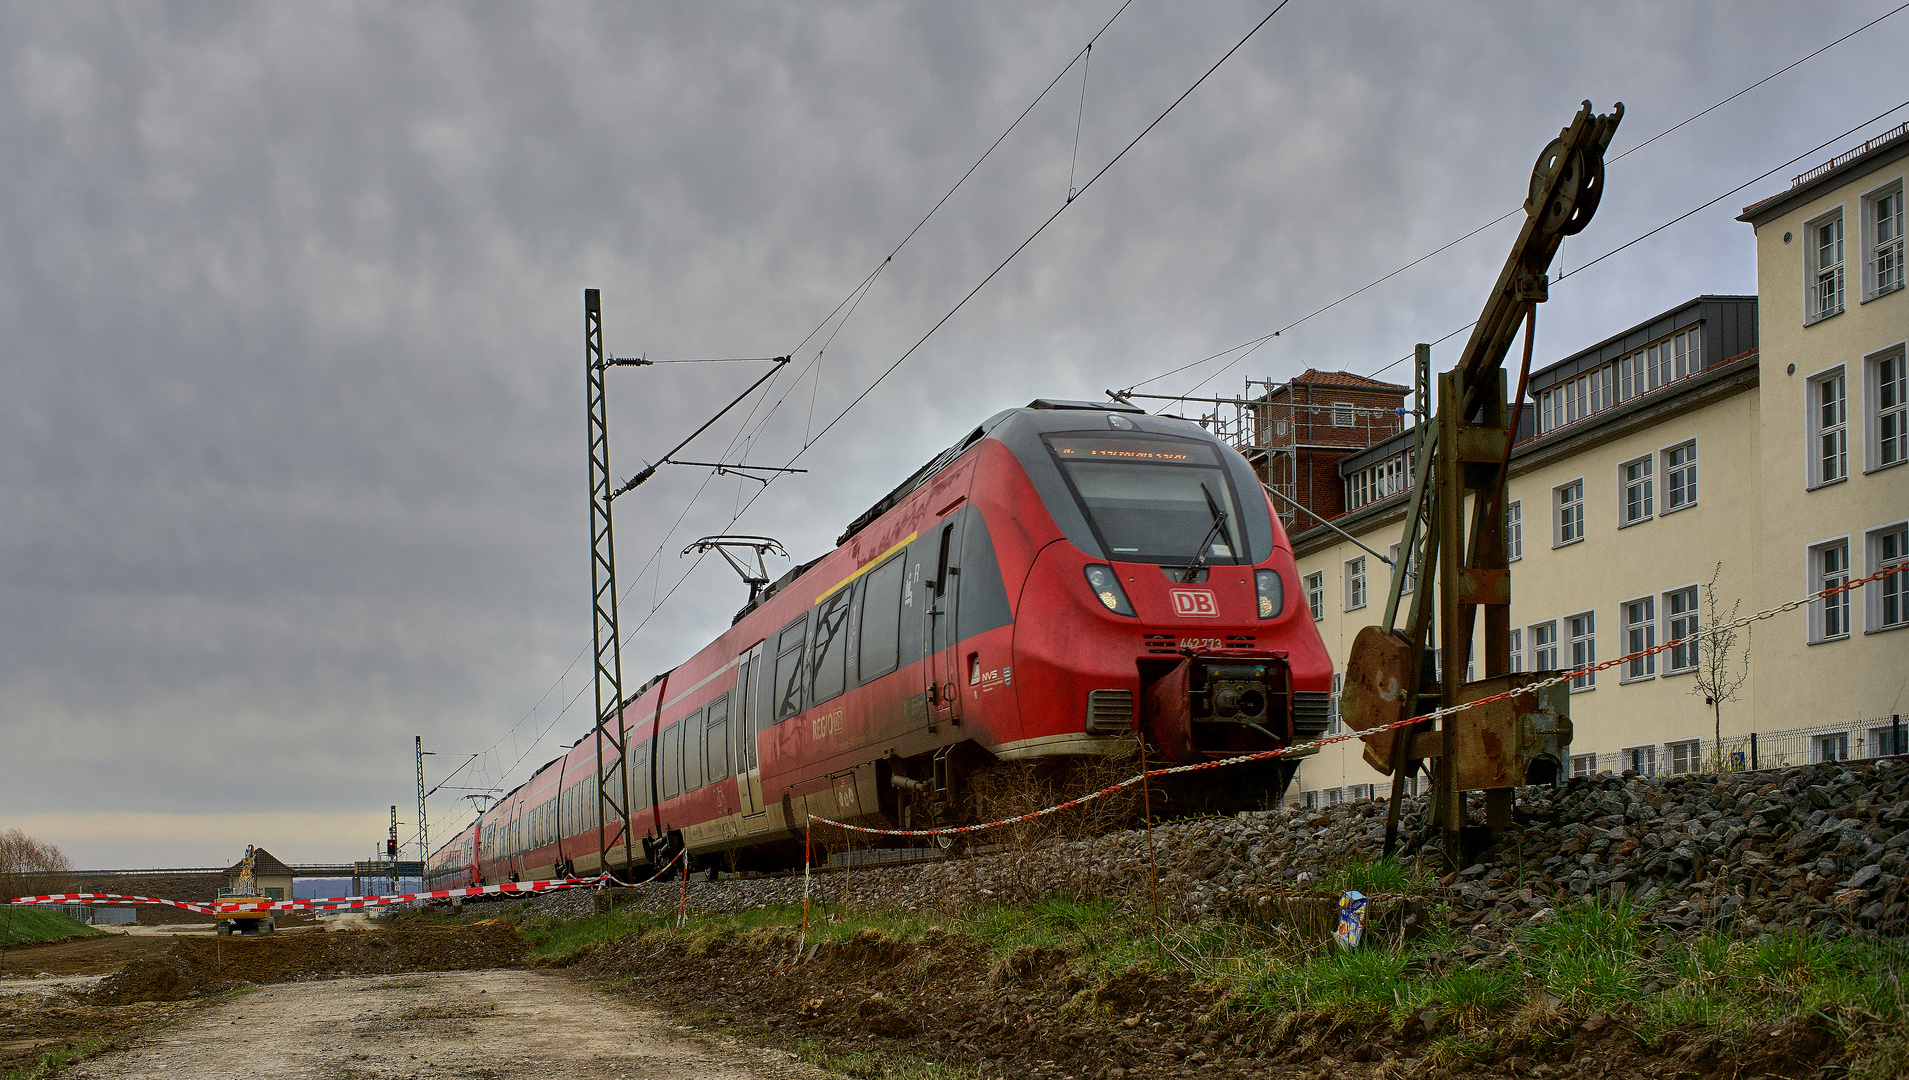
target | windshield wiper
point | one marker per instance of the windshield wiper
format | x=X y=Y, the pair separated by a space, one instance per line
x=1192 y=573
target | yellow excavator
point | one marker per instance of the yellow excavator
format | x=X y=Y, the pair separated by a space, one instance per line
x=245 y=922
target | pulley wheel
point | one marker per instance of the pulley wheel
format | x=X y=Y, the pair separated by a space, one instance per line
x=1554 y=215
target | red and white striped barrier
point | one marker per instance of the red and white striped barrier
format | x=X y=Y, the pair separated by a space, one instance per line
x=336 y=903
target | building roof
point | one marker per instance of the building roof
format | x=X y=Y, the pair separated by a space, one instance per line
x=1820 y=176
x=1315 y=377
x=264 y=864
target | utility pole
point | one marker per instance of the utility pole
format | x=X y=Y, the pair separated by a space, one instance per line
x=613 y=789
x=391 y=848
x=424 y=827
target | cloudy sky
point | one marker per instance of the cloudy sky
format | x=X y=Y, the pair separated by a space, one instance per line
x=291 y=401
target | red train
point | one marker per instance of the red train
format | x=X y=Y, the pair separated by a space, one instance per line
x=1067 y=577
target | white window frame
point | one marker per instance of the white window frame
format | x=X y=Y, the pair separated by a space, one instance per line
x=1315 y=583
x=1639 y=634
x=1583 y=765
x=1821 y=576
x=1878 y=595
x=1816 y=446
x=1823 y=276
x=1882 y=258
x=1343 y=414
x=1692 y=620
x=1878 y=741
x=1635 y=492
x=1679 y=490
x=1566 y=516
x=1411 y=568
x=1355 y=583
x=1583 y=648
x=1884 y=407
x=1540 y=661
x=1643 y=758
x=1517 y=648
x=1691 y=753
x=1515 y=531
x=1822 y=739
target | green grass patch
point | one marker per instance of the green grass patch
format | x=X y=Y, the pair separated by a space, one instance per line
x=51 y=1061
x=19 y=925
x=867 y=1065
x=1376 y=877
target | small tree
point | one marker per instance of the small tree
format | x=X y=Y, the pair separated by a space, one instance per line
x=1718 y=678
x=29 y=867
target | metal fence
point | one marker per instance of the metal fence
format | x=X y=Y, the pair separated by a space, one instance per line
x=1881 y=736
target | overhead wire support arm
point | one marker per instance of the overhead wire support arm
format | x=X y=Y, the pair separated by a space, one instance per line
x=650 y=470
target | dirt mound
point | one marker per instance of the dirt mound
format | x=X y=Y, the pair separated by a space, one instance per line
x=191 y=968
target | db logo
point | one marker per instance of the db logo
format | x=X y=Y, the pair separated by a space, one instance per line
x=1194 y=603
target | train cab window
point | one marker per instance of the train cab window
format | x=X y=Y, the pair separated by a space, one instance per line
x=829 y=657
x=670 y=761
x=717 y=739
x=1152 y=498
x=695 y=769
x=879 y=650
x=789 y=669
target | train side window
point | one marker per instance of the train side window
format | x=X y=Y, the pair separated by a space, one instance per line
x=642 y=784
x=671 y=763
x=695 y=773
x=880 y=646
x=789 y=669
x=830 y=654
x=718 y=739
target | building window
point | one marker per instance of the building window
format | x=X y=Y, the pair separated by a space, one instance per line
x=1355 y=583
x=1583 y=764
x=1882 y=236
x=1888 y=390
x=1335 y=796
x=1829 y=429
x=1515 y=531
x=1684 y=756
x=1411 y=568
x=1680 y=476
x=1544 y=647
x=1833 y=746
x=1641 y=760
x=1568 y=523
x=1888 y=599
x=1824 y=251
x=1640 y=633
x=1583 y=649
x=1316 y=594
x=1517 y=649
x=1680 y=614
x=1634 y=482
x=1829 y=569
x=1888 y=740
x=1334 y=722
x=1342 y=414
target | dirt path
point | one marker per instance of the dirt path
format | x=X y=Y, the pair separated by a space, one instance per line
x=87 y=956
x=496 y=1024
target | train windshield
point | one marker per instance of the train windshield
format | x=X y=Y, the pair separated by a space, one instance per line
x=1152 y=498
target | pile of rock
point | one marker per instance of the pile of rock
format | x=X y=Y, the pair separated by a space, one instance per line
x=1819 y=846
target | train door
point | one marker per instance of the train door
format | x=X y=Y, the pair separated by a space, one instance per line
x=748 y=736
x=943 y=638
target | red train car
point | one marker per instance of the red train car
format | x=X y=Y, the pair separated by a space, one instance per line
x=1069 y=578
x=454 y=864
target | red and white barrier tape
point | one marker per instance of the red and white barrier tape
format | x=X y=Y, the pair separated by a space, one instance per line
x=338 y=903
x=1436 y=714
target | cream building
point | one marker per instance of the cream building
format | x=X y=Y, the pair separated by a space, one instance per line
x=1751 y=442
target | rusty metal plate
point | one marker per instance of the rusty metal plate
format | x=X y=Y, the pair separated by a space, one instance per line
x=1375 y=692
x=1495 y=745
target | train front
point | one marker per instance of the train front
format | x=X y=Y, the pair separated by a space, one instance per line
x=1172 y=604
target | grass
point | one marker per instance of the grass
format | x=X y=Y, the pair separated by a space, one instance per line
x=51 y=1061
x=19 y=925
x=866 y=1065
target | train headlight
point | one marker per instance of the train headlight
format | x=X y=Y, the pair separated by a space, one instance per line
x=1106 y=586
x=1272 y=593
